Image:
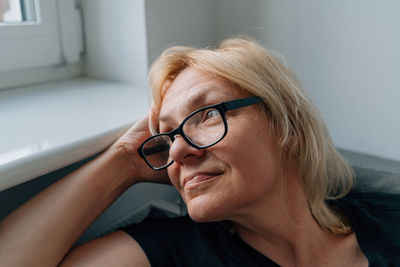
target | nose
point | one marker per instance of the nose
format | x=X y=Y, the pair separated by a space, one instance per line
x=181 y=152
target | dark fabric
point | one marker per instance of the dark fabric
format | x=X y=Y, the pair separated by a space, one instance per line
x=182 y=242
x=375 y=218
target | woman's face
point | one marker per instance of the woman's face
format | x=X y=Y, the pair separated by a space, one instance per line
x=231 y=177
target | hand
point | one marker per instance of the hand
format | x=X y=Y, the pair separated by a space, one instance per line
x=130 y=142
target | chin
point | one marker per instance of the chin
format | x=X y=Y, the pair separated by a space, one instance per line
x=204 y=211
x=199 y=217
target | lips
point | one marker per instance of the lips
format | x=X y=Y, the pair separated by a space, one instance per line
x=191 y=181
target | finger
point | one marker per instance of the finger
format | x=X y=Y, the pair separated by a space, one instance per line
x=140 y=125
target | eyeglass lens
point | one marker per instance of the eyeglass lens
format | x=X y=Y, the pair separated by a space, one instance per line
x=202 y=128
x=156 y=150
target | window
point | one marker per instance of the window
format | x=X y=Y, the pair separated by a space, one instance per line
x=17 y=11
x=38 y=33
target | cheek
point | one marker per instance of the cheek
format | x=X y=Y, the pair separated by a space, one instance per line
x=250 y=153
x=241 y=148
x=173 y=173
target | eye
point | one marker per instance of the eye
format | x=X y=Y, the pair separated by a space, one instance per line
x=209 y=114
x=211 y=117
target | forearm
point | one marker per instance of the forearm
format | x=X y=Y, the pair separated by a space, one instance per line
x=42 y=231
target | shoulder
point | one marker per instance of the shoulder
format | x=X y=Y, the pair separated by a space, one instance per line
x=375 y=218
x=172 y=227
x=175 y=241
x=115 y=249
x=371 y=210
x=184 y=242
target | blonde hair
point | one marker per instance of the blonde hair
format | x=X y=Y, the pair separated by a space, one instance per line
x=301 y=131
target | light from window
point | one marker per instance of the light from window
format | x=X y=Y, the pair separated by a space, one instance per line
x=17 y=11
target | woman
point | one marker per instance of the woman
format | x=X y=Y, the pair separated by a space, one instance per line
x=250 y=157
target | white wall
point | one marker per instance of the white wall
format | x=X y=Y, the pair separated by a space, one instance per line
x=179 y=22
x=347 y=55
x=123 y=37
x=116 y=45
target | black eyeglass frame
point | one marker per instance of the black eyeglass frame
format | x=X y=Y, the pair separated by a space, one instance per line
x=221 y=107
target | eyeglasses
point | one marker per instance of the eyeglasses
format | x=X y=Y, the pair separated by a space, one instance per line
x=201 y=129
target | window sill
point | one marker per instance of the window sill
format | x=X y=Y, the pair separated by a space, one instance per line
x=49 y=126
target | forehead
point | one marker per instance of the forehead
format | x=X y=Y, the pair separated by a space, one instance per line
x=194 y=88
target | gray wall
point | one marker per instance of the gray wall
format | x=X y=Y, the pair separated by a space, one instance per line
x=179 y=22
x=115 y=35
x=347 y=55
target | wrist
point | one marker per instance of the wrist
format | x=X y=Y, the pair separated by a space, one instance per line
x=122 y=162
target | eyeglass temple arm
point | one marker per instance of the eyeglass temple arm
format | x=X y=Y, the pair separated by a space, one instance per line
x=239 y=103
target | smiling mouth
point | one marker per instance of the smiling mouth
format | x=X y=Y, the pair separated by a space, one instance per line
x=199 y=179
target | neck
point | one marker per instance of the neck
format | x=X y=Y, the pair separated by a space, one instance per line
x=286 y=231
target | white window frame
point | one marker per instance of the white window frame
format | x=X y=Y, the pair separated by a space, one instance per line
x=54 y=39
